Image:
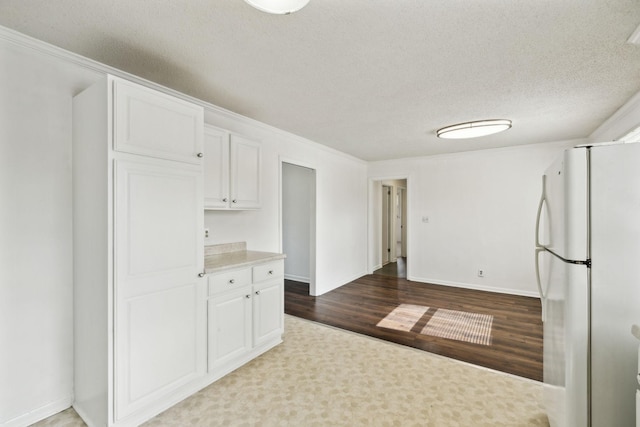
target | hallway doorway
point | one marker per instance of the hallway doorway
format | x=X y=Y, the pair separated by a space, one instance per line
x=299 y=223
x=388 y=234
x=394 y=269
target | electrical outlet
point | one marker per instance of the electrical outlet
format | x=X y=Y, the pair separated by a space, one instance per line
x=480 y=273
x=206 y=233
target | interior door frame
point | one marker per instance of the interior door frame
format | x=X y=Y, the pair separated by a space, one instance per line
x=374 y=220
x=387 y=223
x=402 y=206
x=314 y=214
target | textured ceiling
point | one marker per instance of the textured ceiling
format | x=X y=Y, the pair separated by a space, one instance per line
x=372 y=78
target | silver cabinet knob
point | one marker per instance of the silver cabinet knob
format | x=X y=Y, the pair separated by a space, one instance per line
x=225 y=199
x=247 y=296
x=201 y=274
x=270 y=271
x=200 y=154
x=234 y=201
x=232 y=281
x=257 y=292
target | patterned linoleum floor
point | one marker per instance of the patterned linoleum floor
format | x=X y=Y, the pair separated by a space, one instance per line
x=321 y=376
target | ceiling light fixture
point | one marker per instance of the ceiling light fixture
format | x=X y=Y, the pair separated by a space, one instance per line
x=278 y=7
x=473 y=129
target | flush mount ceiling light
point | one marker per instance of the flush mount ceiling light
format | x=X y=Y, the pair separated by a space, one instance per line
x=278 y=7
x=473 y=129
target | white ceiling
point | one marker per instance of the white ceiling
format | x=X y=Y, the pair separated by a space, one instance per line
x=372 y=78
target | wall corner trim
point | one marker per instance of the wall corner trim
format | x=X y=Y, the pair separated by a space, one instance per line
x=624 y=120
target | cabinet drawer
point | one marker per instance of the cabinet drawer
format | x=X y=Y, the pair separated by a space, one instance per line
x=268 y=271
x=230 y=280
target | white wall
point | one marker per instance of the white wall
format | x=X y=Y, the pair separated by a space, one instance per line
x=298 y=194
x=36 y=277
x=481 y=207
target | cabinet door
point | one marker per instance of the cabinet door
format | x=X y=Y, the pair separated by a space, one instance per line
x=229 y=326
x=160 y=346
x=155 y=124
x=160 y=302
x=216 y=168
x=245 y=173
x=268 y=311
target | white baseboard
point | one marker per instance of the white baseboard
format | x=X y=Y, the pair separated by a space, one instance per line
x=39 y=414
x=297 y=278
x=476 y=287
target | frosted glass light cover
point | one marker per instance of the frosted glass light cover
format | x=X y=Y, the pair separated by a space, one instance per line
x=279 y=7
x=474 y=129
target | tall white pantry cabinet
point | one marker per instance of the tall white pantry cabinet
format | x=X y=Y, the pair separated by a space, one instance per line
x=139 y=296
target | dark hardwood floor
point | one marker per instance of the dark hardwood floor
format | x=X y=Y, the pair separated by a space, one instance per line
x=516 y=336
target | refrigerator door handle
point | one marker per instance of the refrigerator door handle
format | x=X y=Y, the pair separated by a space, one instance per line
x=543 y=199
x=539 y=282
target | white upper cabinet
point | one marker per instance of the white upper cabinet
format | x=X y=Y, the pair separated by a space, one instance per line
x=154 y=124
x=245 y=173
x=216 y=168
x=232 y=168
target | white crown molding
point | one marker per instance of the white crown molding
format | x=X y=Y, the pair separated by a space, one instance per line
x=59 y=53
x=620 y=123
x=634 y=38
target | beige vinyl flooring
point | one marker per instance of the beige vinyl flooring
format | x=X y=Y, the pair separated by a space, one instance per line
x=322 y=376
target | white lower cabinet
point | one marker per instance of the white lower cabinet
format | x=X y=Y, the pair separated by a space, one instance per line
x=229 y=326
x=161 y=347
x=246 y=315
x=267 y=311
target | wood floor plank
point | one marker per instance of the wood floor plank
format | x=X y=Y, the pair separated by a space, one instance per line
x=516 y=335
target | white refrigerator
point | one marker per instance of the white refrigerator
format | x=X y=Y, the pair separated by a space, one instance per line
x=588 y=271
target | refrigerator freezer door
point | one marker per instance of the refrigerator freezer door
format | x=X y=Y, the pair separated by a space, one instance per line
x=576 y=192
x=615 y=278
x=565 y=230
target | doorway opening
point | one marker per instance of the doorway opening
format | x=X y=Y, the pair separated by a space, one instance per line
x=389 y=231
x=298 y=223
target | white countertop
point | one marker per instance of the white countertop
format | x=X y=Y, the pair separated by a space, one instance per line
x=229 y=260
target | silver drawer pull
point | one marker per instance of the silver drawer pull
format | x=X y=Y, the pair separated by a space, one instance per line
x=201 y=274
x=257 y=292
x=232 y=281
x=200 y=154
